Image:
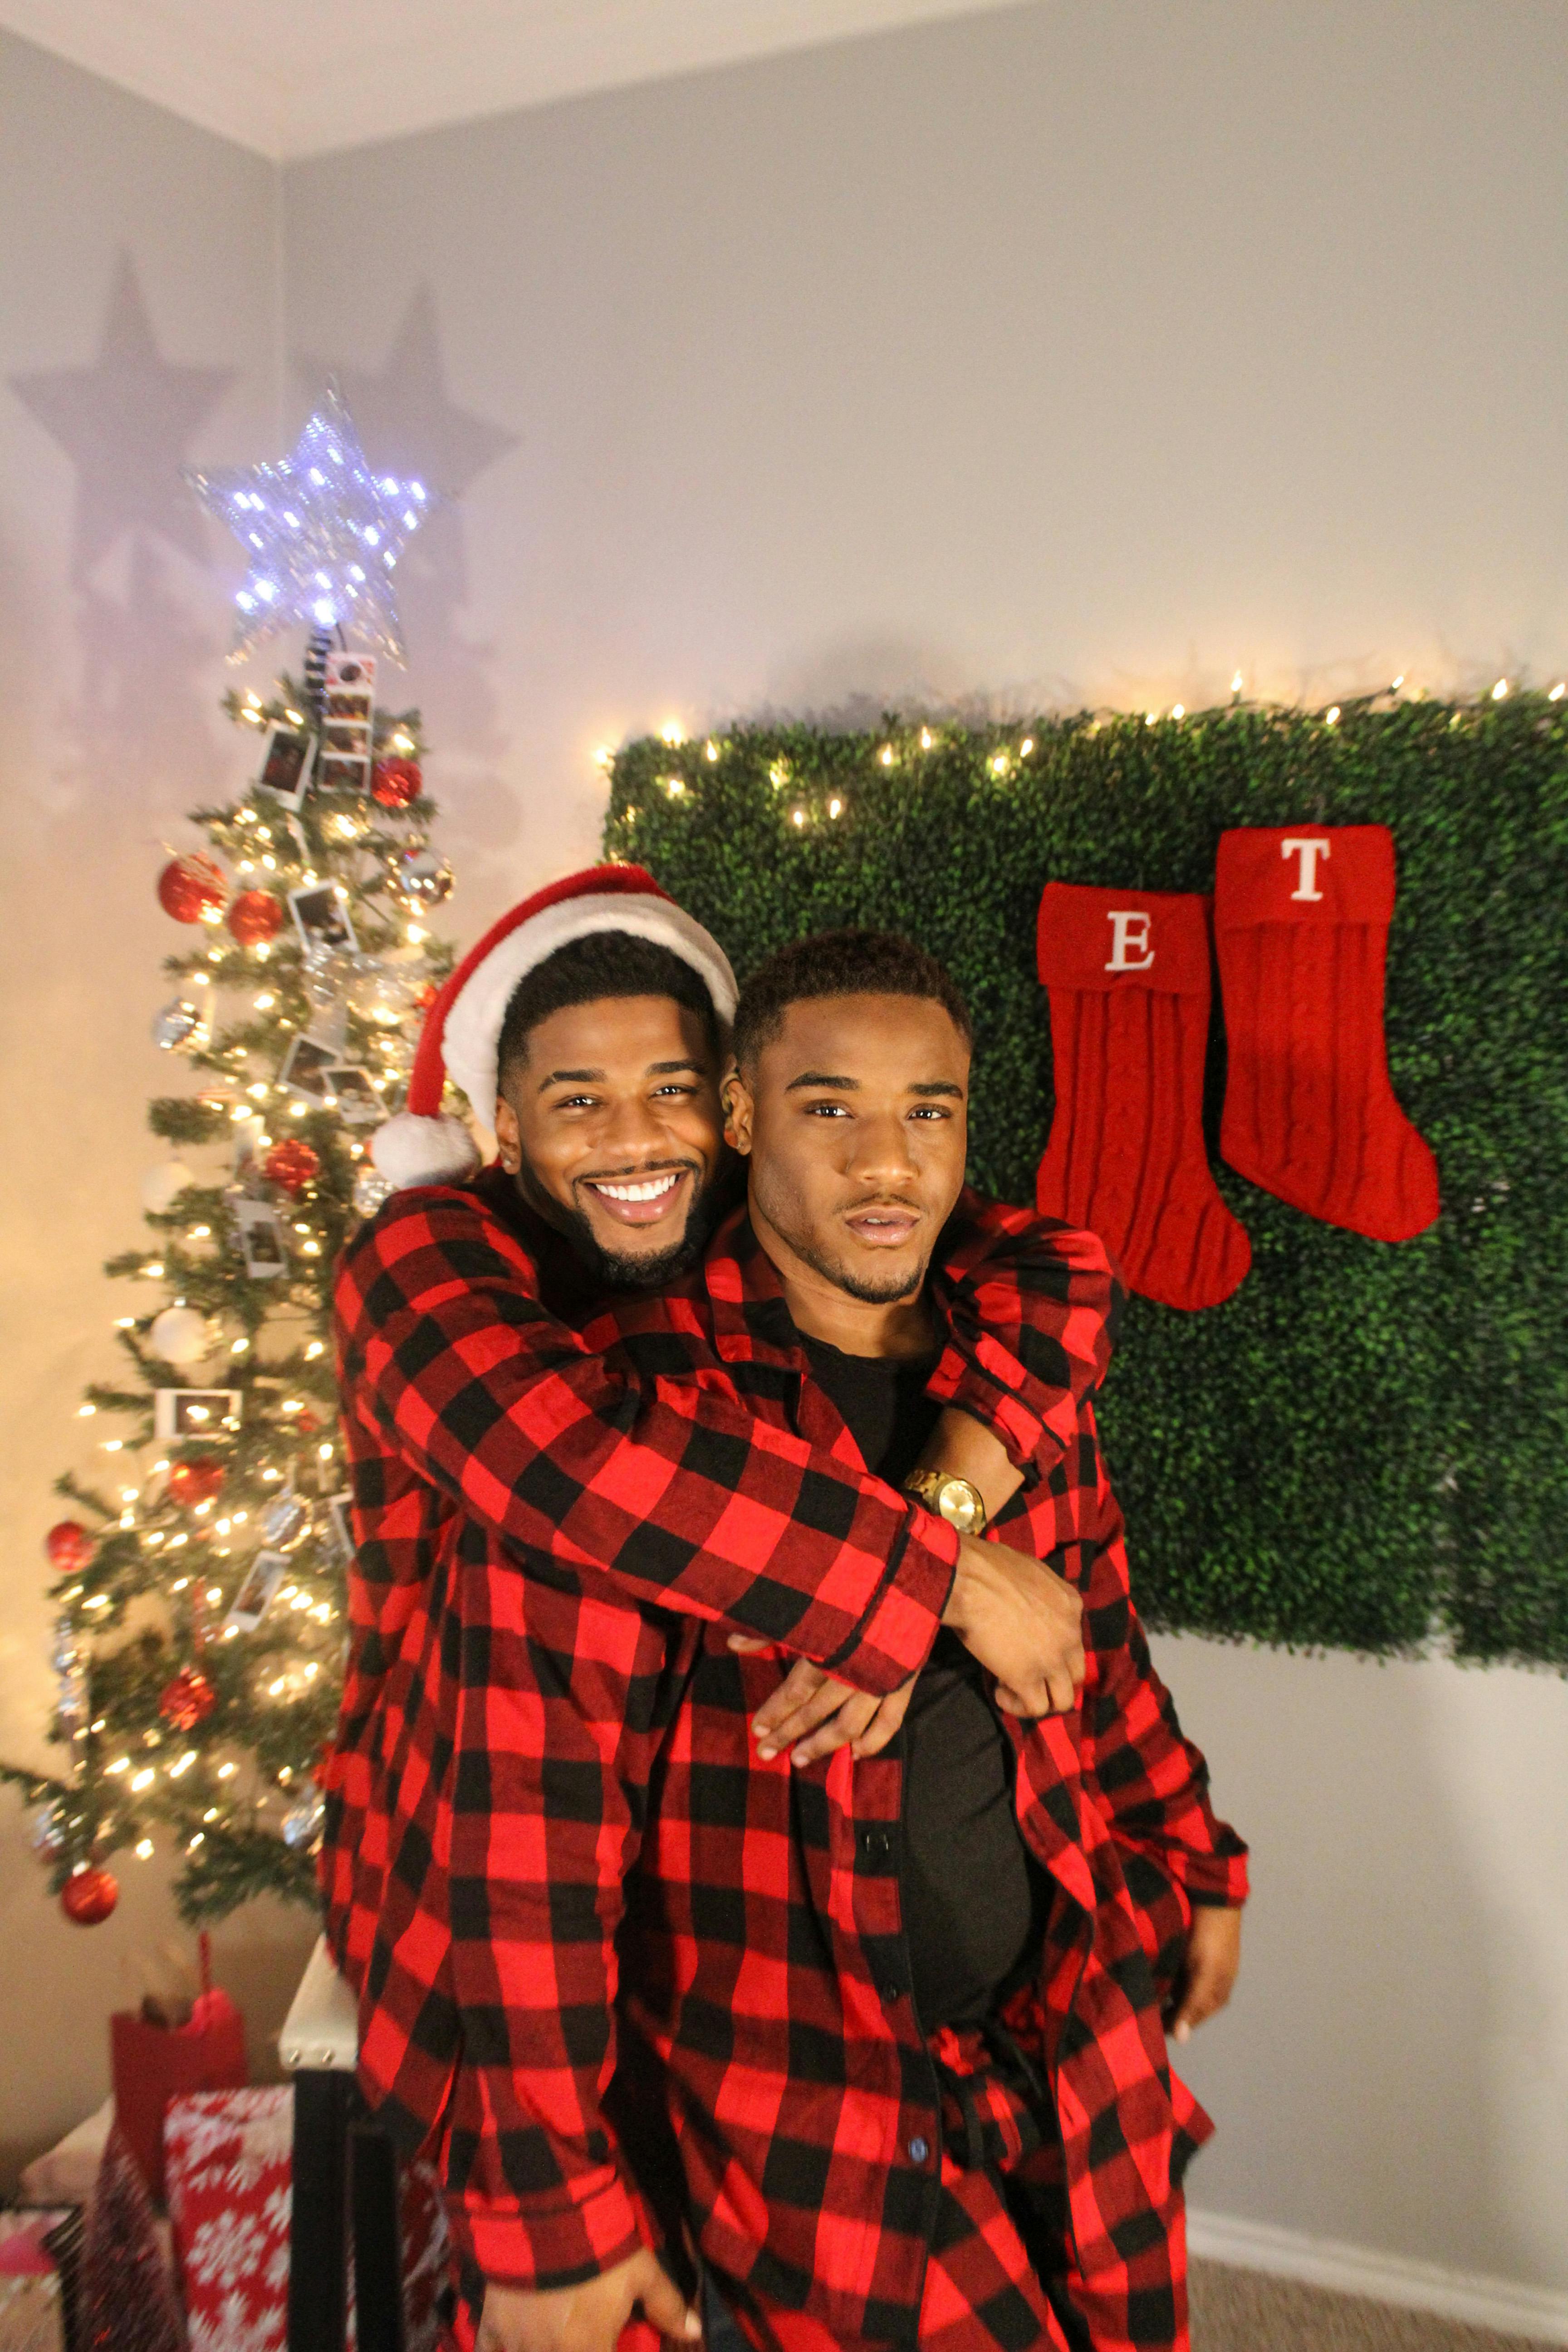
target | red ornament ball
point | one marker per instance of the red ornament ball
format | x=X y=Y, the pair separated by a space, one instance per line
x=424 y=998
x=307 y=1423
x=291 y=1164
x=254 y=916
x=396 y=783
x=70 y=1546
x=197 y=1482
x=187 y=1700
x=89 y=1895
x=190 y=887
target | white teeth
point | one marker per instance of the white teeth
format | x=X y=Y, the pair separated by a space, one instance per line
x=653 y=1191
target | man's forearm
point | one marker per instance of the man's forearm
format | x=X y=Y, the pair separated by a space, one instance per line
x=963 y=1448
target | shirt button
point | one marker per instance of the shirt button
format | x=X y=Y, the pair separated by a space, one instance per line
x=891 y=1992
x=919 y=2150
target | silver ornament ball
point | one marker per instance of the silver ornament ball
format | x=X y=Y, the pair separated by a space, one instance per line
x=176 y=1025
x=301 y=1826
x=424 y=879
x=371 y=1189
x=45 y=1832
x=284 y=1521
x=325 y=975
x=379 y=995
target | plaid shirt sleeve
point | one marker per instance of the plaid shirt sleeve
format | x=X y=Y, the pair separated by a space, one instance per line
x=1151 y=1782
x=1032 y=1306
x=667 y=1485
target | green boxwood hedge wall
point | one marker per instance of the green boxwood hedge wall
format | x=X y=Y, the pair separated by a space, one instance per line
x=1366 y=1446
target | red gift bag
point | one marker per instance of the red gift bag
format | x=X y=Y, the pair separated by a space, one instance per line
x=155 y=2063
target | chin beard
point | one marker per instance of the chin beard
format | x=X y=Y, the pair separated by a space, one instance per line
x=890 y=1292
x=619 y=1269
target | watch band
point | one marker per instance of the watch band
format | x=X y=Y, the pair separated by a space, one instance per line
x=953 y=1498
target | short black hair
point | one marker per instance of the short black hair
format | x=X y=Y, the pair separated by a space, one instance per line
x=849 y=962
x=602 y=963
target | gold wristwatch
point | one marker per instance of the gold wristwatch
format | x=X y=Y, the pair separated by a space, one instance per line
x=953 y=1498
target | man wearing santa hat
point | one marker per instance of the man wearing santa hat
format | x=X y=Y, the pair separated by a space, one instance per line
x=499 y=1728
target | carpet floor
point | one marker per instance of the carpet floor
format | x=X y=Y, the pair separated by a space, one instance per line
x=1243 y=2311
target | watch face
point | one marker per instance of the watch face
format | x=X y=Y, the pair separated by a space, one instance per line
x=956 y=1502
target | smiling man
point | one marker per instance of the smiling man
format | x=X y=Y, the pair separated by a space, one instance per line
x=546 y=1507
x=908 y=2009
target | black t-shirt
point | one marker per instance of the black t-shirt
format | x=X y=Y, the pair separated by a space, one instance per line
x=974 y=1897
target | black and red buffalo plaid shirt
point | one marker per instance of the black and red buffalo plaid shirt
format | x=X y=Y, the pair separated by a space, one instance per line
x=557 y=1524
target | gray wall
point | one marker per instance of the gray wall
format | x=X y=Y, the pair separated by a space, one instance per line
x=1078 y=351
x=110 y=644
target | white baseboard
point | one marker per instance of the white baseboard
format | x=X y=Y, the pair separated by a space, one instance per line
x=1385 y=2278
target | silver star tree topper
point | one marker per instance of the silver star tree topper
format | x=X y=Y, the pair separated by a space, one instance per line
x=322 y=532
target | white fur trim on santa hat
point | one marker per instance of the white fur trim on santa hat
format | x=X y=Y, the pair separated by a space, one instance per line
x=408 y=1150
x=474 y=1019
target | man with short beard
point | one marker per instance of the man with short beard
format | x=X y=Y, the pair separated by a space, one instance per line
x=533 y=1520
x=906 y=2010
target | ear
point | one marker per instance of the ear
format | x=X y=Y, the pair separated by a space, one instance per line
x=507 y=1135
x=739 y=1109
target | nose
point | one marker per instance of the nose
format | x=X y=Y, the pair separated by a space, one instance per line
x=631 y=1130
x=882 y=1154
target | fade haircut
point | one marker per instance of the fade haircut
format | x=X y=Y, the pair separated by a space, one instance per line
x=849 y=962
x=602 y=963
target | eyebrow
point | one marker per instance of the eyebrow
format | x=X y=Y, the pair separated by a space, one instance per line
x=596 y=1078
x=852 y=1086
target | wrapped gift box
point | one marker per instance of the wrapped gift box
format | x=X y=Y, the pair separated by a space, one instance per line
x=226 y=2158
x=155 y=2063
x=38 y=2252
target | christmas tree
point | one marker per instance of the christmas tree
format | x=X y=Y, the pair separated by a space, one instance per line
x=200 y=1575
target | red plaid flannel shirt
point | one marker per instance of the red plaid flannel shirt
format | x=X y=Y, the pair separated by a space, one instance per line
x=540 y=1511
x=765 y=1962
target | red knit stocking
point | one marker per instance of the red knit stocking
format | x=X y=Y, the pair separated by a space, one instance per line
x=1301 y=917
x=1128 y=976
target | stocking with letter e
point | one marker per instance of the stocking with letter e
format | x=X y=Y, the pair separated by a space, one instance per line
x=1301 y=916
x=1128 y=972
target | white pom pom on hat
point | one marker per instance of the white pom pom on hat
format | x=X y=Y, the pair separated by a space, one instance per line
x=423 y=1144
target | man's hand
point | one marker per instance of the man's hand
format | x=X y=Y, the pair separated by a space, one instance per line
x=1209 y=1972
x=822 y=1714
x=590 y=2317
x=1021 y=1620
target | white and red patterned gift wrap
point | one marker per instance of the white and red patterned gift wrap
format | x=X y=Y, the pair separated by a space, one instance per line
x=227 y=2162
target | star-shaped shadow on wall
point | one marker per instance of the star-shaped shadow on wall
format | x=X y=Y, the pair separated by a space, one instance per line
x=126 y=423
x=410 y=423
x=407 y=418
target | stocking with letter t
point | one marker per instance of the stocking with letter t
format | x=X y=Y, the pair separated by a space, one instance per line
x=1301 y=917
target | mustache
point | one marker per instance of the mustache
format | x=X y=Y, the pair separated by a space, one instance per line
x=883 y=1200
x=632 y=1171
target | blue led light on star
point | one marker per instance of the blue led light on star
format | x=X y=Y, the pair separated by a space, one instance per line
x=323 y=534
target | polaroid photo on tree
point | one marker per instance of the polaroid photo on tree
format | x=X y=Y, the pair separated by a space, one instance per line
x=286 y=765
x=261 y=1242
x=321 y=919
x=257 y=1592
x=340 y=742
x=354 y=1091
x=195 y=1412
x=344 y=772
x=304 y=1070
x=351 y=674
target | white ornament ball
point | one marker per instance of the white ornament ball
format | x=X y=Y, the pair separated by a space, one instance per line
x=180 y=1336
x=161 y=1186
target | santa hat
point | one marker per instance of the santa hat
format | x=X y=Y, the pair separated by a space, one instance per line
x=462 y=1029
